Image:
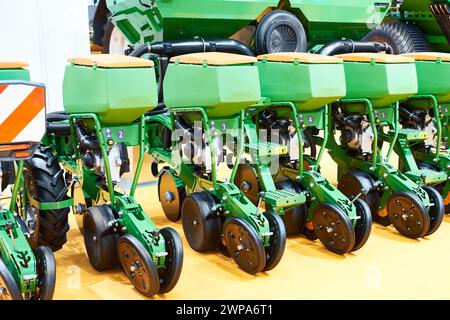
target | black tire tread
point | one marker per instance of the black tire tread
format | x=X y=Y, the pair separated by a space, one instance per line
x=47 y=185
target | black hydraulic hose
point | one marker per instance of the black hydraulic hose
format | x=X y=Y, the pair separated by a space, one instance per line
x=409 y=115
x=57 y=116
x=350 y=46
x=59 y=129
x=86 y=142
x=349 y=121
x=176 y=48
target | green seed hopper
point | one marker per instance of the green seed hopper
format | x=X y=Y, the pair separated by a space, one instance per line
x=365 y=124
x=318 y=22
x=14 y=70
x=225 y=89
x=115 y=91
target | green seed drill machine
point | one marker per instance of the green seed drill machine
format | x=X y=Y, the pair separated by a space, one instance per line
x=105 y=98
x=27 y=267
x=367 y=117
x=423 y=153
x=298 y=88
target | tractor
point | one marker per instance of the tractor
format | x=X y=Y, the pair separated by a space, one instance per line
x=27 y=264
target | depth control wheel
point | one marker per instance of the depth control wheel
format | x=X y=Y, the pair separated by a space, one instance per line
x=277 y=242
x=408 y=215
x=244 y=245
x=363 y=224
x=437 y=209
x=170 y=274
x=333 y=228
x=46 y=272
x=100 y=240
x=171 y=196
x=138 y=265
x=247 y=181
x=9 y=290
x=201 y=224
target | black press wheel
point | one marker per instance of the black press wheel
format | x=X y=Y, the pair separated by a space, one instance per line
x=408 y=214
x=244 y=245
x=437 y=209
x=99 y=239
x=46 y=273
x=170 y=273
x=277 y=242
x=201 y=224
x=280 y=31
x=138 y=265
x=9 y=290
x=363 y=224
x=171 y=196
x=247 y=181
x=294 y=219
x=353 y=182
x=333 y=228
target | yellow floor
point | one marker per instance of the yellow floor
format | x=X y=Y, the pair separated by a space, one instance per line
x=388 y=267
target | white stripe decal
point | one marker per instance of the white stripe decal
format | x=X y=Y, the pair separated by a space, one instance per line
x=34 y=131
x=11 y=98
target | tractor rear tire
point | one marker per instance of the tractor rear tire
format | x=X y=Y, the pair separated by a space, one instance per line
x=402 y=37
x=280 y=31
x=45 y=182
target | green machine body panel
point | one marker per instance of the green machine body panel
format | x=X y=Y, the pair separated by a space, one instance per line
x=433 y=77
x=382 y=83
x=144 y=21
x=281 y=82
x=225 y=90
x=116 y=95
x=14 y=74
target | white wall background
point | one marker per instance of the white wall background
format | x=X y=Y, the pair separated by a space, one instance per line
x=45 y=33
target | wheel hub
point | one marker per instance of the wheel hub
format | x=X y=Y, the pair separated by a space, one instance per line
x=169 y=196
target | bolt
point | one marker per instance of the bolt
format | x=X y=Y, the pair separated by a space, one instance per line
x=245 y=186
x=94 y=238
x=405 y=216
x=240 y=247
x=194 y=222
x=169 y=197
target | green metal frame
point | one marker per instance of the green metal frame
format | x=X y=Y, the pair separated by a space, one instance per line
x=131 y=218
x=389 y=178
x=440 y=159
x=233 y=202
x=316 y=188
x=15 y=251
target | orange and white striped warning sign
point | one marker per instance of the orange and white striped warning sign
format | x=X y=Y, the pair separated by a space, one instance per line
x=22 y=112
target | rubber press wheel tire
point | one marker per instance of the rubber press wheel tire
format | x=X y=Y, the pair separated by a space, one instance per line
x=244 y=245
x=402 y=37
x=277 y=242
x=294 y=219
x=44 y=179
x=351 y=184
x=170 y=273
x=363 y=224
x=408 y=214
x=46 y=272
x=138 y=265
x=333 y=228
x=280 y=31
x=436 y=211
x=170 y=196
x=100 y=241
x=9 y=289
x=201 y=225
